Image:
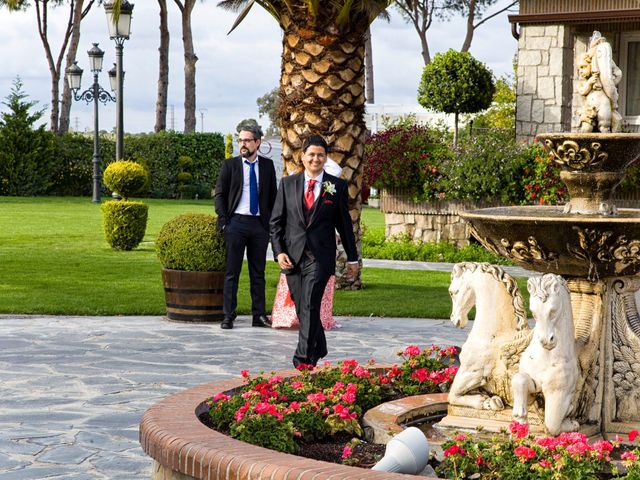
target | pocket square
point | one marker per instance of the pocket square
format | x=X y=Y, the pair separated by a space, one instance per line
x=328 y=202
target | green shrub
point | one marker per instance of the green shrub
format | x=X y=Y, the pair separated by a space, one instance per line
x=124 y=223
x=126 y=178
x=191 y=242
x=490 y=166
x=228 y=146
x=402 y=247
x=26 y=152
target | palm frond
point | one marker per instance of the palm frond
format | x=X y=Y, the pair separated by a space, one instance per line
x=235 y=5
x=344 y=12
x=241 y=16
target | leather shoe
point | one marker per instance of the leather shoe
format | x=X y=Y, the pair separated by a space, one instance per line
x=227 y=323
x=261 y=321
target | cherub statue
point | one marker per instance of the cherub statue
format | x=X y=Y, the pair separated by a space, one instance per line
x=600 y=77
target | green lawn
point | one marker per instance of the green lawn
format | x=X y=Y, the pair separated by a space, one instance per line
x=54 y=260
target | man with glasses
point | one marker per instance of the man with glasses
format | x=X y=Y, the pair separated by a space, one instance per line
x=244 y=196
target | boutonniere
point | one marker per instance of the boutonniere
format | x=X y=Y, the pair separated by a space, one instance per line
x=329 y=188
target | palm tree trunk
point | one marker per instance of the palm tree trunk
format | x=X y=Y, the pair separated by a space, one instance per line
x=190 y=60
x=322 y=78
x=163 y=69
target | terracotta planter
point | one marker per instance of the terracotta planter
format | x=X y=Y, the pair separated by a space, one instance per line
x=193 y=296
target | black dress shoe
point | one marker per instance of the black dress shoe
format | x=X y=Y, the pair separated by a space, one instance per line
x=227 y=323
x=261 y=321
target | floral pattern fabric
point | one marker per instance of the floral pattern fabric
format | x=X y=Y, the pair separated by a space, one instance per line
x=284 y=315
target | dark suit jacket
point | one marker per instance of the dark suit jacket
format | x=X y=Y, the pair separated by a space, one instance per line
x=290 y=232
x=229 y=189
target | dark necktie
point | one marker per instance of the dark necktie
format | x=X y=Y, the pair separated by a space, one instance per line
x=253 y=188
x=308 y=196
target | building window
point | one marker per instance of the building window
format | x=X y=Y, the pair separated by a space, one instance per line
x=629 y=87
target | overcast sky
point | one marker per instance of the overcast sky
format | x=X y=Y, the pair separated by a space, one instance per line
x=232 y=70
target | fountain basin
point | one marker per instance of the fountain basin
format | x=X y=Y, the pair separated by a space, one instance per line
x=592 y=165
x=545 y=239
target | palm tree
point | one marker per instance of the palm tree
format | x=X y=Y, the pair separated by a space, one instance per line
x=322 y=86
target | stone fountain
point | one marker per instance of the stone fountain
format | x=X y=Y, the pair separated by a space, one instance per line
x=595 y=248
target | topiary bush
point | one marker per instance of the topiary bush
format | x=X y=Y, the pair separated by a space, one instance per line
x=124 y=223
x=126 y=178
x=191 y=242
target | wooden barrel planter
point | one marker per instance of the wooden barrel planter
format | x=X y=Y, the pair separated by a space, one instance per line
x=193 y=296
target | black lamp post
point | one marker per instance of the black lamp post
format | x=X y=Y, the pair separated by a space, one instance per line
x=119 y=29
x=94 y=94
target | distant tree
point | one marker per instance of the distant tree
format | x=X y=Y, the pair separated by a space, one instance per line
x=421 y=13
x=190 y=59
x=455 y=82
x=502 y=112
x=268 y=105
x=26 y=151
x=474 y=11
x=77 y=10
x=163 y=69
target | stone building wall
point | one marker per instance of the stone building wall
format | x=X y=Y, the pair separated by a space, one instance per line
x=544 y=87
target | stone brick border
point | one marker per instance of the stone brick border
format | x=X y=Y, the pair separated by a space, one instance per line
x=183 y=448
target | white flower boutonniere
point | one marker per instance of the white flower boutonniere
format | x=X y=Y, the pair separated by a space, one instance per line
x=329 y=188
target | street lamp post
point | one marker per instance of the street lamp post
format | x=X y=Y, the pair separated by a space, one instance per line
x=119 y=29
x=94 y=94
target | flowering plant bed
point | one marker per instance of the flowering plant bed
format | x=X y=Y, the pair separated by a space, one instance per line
x=567 y=456
x=325 y=404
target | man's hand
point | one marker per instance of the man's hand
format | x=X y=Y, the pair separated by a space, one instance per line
x=352 y=270
x=284 y=261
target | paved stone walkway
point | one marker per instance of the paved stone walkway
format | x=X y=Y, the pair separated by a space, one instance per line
x=73 y=389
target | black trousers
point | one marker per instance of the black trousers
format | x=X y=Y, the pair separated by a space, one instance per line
x=306 y=283
x=245 y=232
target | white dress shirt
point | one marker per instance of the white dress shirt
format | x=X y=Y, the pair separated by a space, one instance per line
x=244 y=204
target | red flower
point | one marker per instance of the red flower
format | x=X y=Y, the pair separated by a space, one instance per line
x=633 y=434
x=525 y=453
x=454 y=450
x=411 y=351
x=346 y=452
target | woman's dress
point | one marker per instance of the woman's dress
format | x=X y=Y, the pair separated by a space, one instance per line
x=284 y=315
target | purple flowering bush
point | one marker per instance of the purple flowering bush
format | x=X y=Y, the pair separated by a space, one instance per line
x=408 y=157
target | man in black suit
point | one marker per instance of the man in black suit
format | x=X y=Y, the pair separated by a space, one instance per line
x=309 y=207
x=244 y=196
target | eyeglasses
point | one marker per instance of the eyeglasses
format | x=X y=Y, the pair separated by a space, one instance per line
x=246 y=140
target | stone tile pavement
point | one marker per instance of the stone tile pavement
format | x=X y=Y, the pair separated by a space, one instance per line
x=73 y=389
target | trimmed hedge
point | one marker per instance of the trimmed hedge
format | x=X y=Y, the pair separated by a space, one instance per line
x=124 y=223
x=191 y=242
x=45 y=164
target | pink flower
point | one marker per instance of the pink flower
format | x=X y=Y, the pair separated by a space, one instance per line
x=244 y=373
x=411 y=351
x=461 y=437
x=220 y=396
x=525 y=453
x=346 y=452
x=629 y=456
x=519 y=430
x=316 y=397
x=544 y=463
x=297 y=385
x=275 y=379
x=421 y=374
x=633 y=434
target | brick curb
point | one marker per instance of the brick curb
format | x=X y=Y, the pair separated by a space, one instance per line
x=172 y=434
